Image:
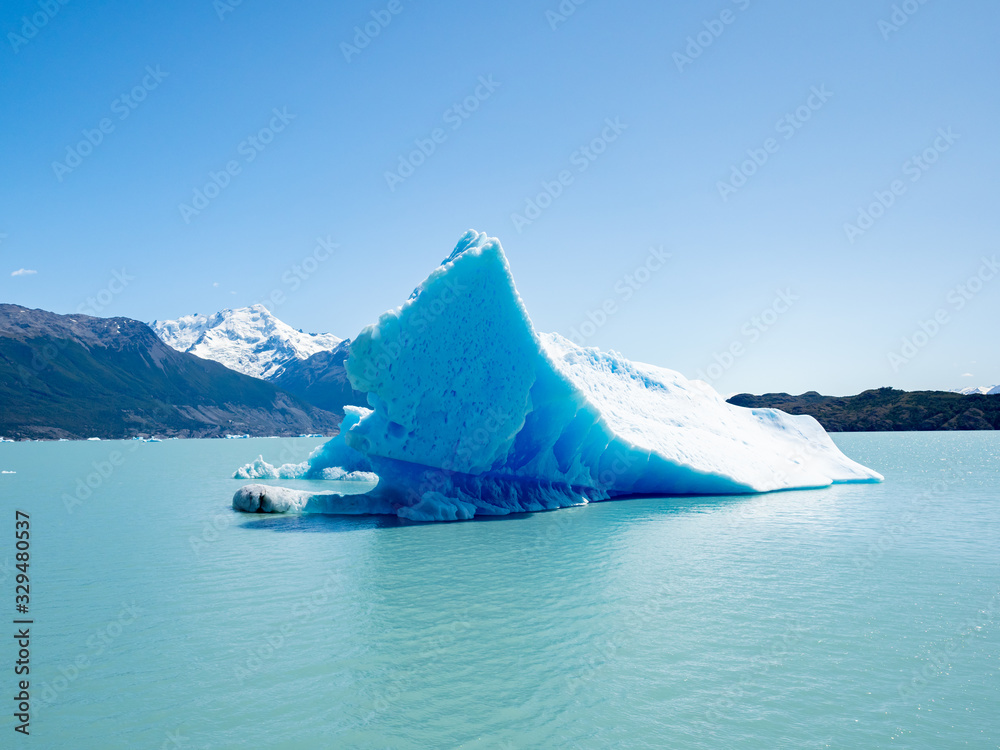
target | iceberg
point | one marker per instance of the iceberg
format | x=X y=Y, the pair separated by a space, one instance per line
x=473 y=412
x=260 y=498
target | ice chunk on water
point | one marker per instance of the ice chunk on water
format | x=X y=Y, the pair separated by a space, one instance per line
x=261 y=469
x=332 y=460
x=261 y=498
x=474 y=413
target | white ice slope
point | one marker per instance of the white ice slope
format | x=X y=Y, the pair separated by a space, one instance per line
x=250 y=340
x=474 y=413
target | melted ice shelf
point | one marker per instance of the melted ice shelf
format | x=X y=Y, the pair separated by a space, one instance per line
x=474 y=413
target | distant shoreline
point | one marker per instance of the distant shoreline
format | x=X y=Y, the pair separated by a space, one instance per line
x=887 y=410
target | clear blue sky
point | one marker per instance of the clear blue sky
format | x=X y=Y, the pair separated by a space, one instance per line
x=687 y=123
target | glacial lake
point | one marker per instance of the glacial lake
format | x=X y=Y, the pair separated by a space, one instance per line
x=864 y=616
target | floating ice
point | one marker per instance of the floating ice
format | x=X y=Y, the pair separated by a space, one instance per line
x=332 y=460
x=261 y=469
x=474 y=413
x=259 y=498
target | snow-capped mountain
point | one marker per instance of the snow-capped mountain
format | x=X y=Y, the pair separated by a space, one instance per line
x=989 y=390
x=115 y=378
x=249 y=340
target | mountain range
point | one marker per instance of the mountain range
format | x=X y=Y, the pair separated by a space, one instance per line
x=250 y=340
x=77 y=376
x=253 y=341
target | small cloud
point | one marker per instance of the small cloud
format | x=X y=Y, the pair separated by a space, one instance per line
x=967 y=375
x=23 y=272
x=232 y=292
x=216 y=283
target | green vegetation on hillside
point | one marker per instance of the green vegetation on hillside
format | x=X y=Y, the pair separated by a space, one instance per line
x=78 y=376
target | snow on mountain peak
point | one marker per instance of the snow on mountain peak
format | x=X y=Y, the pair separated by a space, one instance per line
x=250 y=340
x=989 y=390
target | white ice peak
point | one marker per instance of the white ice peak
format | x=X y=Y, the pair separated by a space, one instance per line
x=250 y=340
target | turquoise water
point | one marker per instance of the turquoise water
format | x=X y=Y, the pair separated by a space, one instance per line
x=857 y=616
